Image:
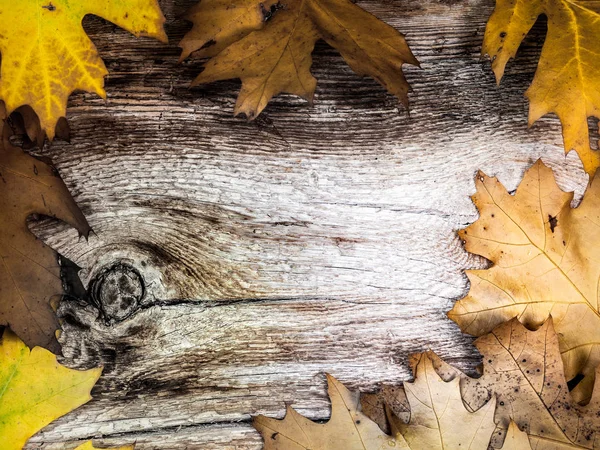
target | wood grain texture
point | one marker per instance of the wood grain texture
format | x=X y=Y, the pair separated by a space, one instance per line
x=313 y=239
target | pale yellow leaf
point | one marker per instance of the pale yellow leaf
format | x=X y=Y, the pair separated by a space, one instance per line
x=268 y=46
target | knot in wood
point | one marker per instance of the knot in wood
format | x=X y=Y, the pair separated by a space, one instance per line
x=117 y=291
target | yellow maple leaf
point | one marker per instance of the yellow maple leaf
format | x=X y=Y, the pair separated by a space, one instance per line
x=516 y=439
x=546 y=263
x=35 y=390
x=436 y=409
x=46 y=53
x=269 y=45
x=567 y=80
x=89 y=446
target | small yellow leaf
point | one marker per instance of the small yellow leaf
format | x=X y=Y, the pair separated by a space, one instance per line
x=268 y=45
x=567 y=80
x=88 y=446
x=46 y=53
x=35 y=390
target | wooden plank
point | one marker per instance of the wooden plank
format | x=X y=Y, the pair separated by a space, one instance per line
x=313 y=239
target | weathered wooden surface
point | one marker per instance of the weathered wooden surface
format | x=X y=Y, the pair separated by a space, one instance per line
x=313 y=239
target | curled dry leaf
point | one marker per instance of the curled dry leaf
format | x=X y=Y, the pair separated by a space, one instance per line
x=545 y=262
x=46 y=53
x=567 y=79
x=436 y=408
x=348 y=427
x=35 y=390
x=24 y=121
x=29 y=271
x=268 y=45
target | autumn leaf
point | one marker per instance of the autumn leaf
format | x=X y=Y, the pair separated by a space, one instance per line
x=348 y=427
x=35 y=390
x=567 y=79
x=436 y=408
x=46 y=53
x=88 y=446
x=523 y=369
x=516 y=439
x=545 y=262
x=268 y=45
x=29 y=271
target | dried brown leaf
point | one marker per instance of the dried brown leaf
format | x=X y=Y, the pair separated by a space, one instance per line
x=29 y=272
x=269 y=45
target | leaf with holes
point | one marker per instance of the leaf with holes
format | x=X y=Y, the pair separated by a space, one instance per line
x=567 y=79
x=436 y=408
x=36 y=390
x=30 y=281
x=545 y=262
x=268 y=45
x=46 y=53
x=523 y=371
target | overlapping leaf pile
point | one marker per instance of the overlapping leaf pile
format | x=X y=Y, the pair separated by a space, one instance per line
x=46 y=54
x=521 y=401
x=436 y=406
x=545 y=270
